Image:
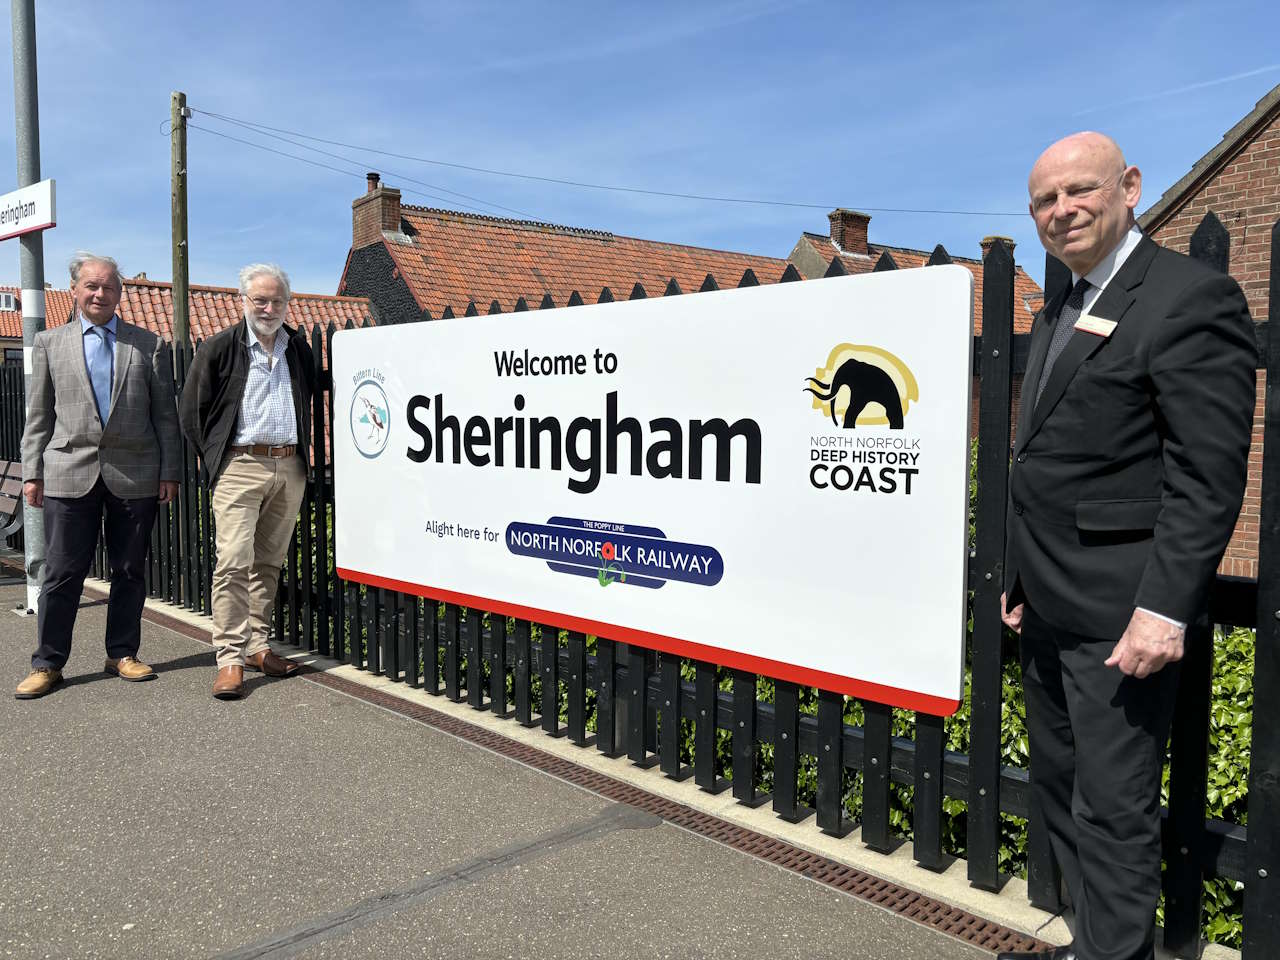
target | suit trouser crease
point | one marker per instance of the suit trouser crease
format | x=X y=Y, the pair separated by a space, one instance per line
x=1097 y=741
x=255 y=506
x=71 y=526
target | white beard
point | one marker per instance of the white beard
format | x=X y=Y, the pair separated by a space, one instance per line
x=264 y=329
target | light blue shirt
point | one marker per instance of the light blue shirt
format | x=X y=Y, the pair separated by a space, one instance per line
x=266 y=409
x=101 y=367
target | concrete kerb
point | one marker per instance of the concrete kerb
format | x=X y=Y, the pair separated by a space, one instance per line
x=1009 y=907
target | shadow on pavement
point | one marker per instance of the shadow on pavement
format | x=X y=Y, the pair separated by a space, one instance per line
x=202 y=660
x=255 y=680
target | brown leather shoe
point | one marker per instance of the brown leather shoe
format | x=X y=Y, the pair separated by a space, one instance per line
x=129 y=668
x=271 y=665
x=229 y=684
x=38 y=683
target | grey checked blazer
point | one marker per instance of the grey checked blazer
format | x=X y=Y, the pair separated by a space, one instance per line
x=66 y=445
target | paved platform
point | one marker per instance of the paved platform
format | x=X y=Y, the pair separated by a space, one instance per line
x=150 y=820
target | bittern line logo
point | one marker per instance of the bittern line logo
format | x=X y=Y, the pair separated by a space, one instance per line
x=370 y=418
x=863 y=386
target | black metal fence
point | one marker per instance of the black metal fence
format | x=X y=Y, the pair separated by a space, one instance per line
x=12 y=418
x=627 y=701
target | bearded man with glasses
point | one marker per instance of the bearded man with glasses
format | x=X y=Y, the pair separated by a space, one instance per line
x=246 y=407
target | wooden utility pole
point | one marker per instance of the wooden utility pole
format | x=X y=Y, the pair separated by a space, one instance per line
x=178 y=114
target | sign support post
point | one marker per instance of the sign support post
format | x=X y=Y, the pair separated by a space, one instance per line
x=27 y=127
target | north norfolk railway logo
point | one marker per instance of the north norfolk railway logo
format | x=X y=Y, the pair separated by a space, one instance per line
x=615 y=553
x=863 y=386
x=370 y=415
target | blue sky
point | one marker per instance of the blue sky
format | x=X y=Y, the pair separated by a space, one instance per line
x=935 y=106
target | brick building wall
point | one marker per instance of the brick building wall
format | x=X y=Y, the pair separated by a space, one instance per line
x=1245 y=196
x=1242 y=188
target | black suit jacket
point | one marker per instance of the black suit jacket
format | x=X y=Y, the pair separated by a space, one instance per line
x=1129 y=472
x=209 y=407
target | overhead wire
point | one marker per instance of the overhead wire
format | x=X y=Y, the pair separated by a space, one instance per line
x=345 y=173
x=263 y=128
x=399 y=176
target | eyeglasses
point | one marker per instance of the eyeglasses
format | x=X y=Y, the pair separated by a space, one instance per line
x=1077 y=191
x=263 y=302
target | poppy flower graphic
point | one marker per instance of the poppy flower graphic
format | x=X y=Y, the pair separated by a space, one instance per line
x=609 y=571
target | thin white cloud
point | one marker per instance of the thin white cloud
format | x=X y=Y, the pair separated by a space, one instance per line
x=694 y=22
x=1176 y=90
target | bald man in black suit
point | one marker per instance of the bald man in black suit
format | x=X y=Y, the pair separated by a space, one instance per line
x=1129 y=470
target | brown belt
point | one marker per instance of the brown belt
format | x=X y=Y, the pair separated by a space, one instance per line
x=264 y=450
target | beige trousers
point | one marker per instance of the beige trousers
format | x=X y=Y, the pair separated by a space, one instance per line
x=255 y=507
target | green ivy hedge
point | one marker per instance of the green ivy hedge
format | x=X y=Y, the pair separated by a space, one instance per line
x=1230 y=726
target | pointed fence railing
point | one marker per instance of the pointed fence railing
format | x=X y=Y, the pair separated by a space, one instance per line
x=809 y=753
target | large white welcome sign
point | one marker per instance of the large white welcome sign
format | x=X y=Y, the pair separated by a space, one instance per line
x=772 y=478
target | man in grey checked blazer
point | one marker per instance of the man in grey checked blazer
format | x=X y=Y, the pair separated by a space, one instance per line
x=101 y=444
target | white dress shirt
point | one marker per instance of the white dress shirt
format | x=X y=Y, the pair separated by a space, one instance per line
x=266 y=409
x=1098 y=279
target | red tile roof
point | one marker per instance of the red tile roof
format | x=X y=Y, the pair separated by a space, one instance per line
x=149 y=303
x=57 y=307
x=455 y=258
x=450 y=259
x=1027 y=295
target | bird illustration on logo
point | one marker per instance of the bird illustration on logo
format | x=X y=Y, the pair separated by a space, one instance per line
x=375 y=416
x=369 y=419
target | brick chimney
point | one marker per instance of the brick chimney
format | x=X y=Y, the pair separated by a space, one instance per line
x=376 y=211
x=986 y=243
x=849 y=230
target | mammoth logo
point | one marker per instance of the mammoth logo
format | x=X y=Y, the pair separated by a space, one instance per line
x=863 y=386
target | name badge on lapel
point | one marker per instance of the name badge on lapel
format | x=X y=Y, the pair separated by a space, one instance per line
x=1095 y=325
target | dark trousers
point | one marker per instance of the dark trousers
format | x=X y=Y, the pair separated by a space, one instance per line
x=70 y=536
x=1097 y=740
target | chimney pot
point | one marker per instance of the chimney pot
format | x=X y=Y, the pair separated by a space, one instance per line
x=373 y=180
x=374 y=213
x=987 y=242
x=849 y=230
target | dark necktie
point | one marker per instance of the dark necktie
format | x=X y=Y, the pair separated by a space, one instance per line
x=1062 y=332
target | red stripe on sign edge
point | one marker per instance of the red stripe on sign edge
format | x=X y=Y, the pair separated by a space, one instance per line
x=25 y=230
x=805 y=676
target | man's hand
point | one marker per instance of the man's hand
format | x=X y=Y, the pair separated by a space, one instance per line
x=168 y=492
x=1012 y=618
x=33 y=490
x=1147 y=645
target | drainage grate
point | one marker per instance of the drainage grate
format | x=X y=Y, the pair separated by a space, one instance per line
x=907 y=903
